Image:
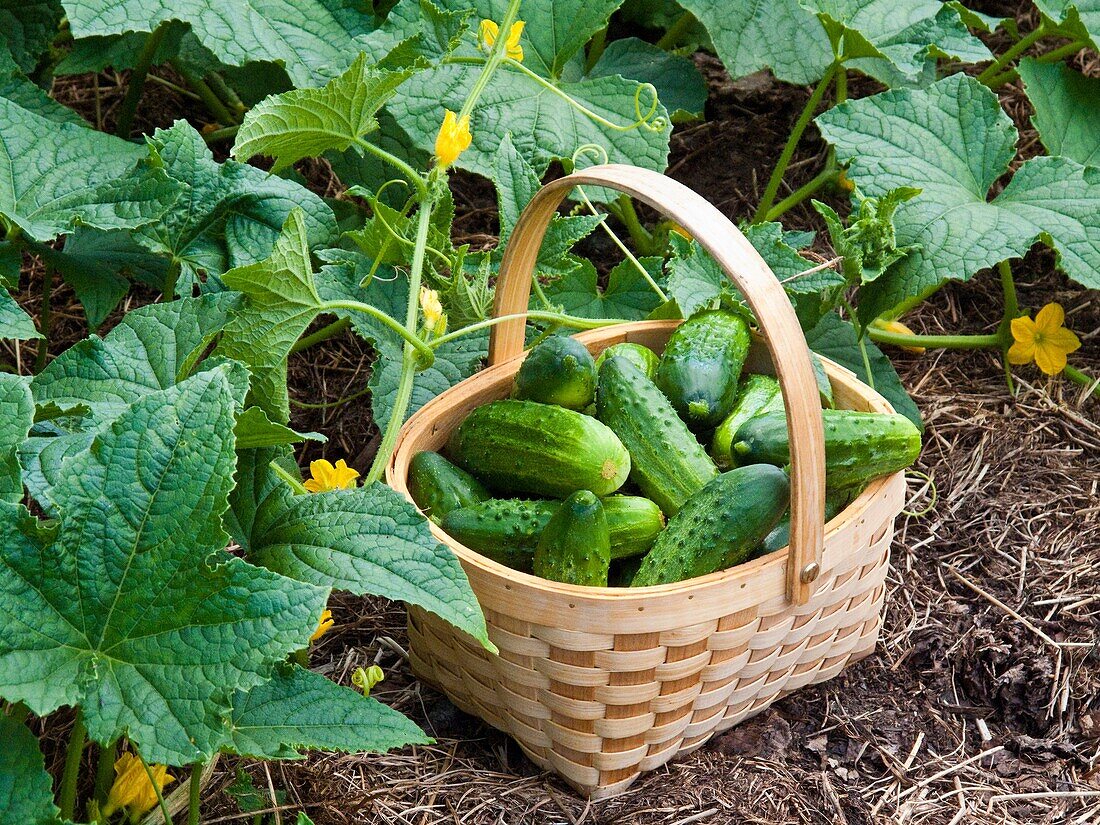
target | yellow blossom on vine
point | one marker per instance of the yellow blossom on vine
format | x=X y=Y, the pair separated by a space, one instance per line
x=453 y=139
x=487 y=36
x=325 y=477
x=324 y=626
x=132 y=789
x=434 y=318
x=844 y=183
x=366 y=678
x=1046 y=341
x=898 y=328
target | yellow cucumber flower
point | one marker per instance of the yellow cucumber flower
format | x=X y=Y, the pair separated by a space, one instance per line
x=326 y=477
x=366 y=678
x=898 y=328
x=434 y=317
x=1046 y=341
x=487 y=36
x=132 y=789
x=453 y=139
x=324 y=626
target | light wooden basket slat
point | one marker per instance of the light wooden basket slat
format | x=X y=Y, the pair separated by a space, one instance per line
x=602 y=684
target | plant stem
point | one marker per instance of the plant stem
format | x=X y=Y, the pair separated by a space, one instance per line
x=1012 y=309
x=134 y=87
x=496 y=57
x=1019 y=47
x=195 y=792
x=792 y=143
x=841 y=84
x=227 y=95
x=45 y=320
x=414 y=177
x=105 y=771
x=228 y=133
x=171 y=277
x=1062 y=51
x=212 y=102
x=625 y=212
x=175 y=87
x=414 y=295
x=1085 y=380
x=881 y=336
x=323 y=334
x=672 y=37
x=293 y=483
x=569 y=321
x=71 y=772
x=156 y=788
x=829 y=173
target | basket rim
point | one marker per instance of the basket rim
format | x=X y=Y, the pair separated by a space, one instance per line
x=427 y=414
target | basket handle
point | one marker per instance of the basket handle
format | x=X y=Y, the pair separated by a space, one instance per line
x=748 y=271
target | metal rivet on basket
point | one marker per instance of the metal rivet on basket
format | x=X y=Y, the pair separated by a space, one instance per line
x=810 y=572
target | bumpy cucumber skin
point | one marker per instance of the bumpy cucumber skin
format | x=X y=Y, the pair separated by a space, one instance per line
x=559 y=371
x=859 y=446
x=524 y=446
x=632 y=521
x=643 y=358
x=759 y=393
x=575 y=547
x=667 y=463
x=780 y=537
x=438 y=486
x=719 y=526
x=701 y=365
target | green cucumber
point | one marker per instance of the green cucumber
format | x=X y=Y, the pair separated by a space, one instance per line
x=859 y=446
x=524 y=446
x=633 y=522
x=575 y=546
x=719 y=526
x=643 y=358
x=780 y=537
x=559 y=371
x=759 y=393
x=667 y=463
x=438 y=486
x=701 y=365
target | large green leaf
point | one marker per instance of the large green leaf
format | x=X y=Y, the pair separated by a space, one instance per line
x=29 y=27
x=26 y=792
x=282 y=302
x=230 y=213
x=133 y=610
x=309 y=122
x=313 y=39
x=952 y=141
x=1067 y=109
x=21 y=90
x=14 y=322
x=1079 y=18
x=367 y=540
x=16 y=416
x=57 y=176
x=627 y=295
x=544 y=125
x=301 y=710
x=680 y=86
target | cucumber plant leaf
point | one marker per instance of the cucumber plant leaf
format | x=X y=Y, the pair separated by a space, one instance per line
x=627 y=295
x=1067 y=112
x=544 y=124
x=49 y=187
x=1077 y=18
x=680 y=87
x=309 y=122
x=26 y=790
x=301 y=710
x=21 y=90
x=253 y=429
x=16 y=417
x=28 y=28
x=953 y=141
x=14 y=322
x=132 y=609
x=230 y=213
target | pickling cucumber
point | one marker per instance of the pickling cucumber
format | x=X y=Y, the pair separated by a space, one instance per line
x=559 y=371
x=643 y=358
x=719 y=526
x=667 y=463
x=438 y=486
x=701 y=365
x=859 y=446
x=575 y=546
x=780 y=537
x=524 y=446
x=759 y=393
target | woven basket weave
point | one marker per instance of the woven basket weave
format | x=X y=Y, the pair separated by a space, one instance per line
x=602 y=684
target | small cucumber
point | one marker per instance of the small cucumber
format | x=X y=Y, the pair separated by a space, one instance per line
x=859 y=446
x=701 y=365
x=759 y=393
x=643 y=358
x=780 y=537
x=719 y=526
x=633 y=522
x=438 y=486
x=524 y=446
x=575 y=546
x=667 y=463
x=559 y=371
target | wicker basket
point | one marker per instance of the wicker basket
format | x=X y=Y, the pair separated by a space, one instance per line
x=601 y=684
